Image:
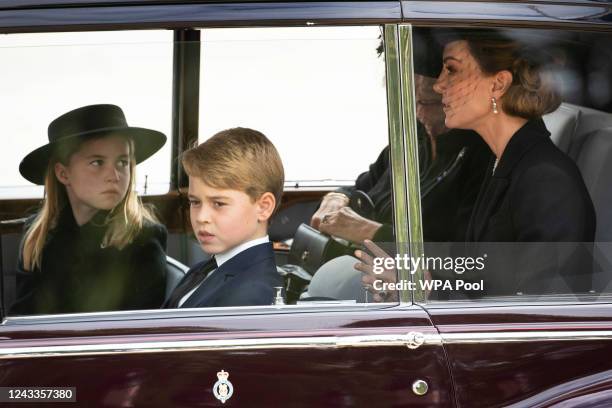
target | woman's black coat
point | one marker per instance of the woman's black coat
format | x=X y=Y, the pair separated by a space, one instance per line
x=78 y=275
x=537 y=200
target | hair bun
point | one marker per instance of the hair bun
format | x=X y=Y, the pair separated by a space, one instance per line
x=527 y=75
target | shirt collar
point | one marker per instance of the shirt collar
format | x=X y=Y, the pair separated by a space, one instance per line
x=227 y=255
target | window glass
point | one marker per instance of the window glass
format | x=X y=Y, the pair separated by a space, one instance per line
x=515 y=145
x=319 y=88
x=49 y=74
x=318 y=94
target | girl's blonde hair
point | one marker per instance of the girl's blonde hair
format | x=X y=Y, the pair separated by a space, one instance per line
x=124 y=221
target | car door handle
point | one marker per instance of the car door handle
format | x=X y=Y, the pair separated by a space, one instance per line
x=412 y=340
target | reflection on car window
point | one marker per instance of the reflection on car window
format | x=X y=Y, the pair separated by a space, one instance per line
x=319 y=88
x=130 y=68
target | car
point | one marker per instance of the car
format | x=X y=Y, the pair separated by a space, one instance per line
x=307 y=74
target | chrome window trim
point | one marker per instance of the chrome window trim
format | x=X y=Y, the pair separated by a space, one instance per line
x=128 y=315
x=411 y=159
x=399 y=146
x=412 y=340
x=513 y=337
x=404 y=152
x=321 y=342
x=522 y=302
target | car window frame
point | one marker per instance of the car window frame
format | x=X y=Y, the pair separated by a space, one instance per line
x=417 y=239
x=400 y=141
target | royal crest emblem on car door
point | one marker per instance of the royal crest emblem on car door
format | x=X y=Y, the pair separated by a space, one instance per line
x=223 y=388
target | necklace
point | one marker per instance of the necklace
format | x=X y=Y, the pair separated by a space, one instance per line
x=495 y=165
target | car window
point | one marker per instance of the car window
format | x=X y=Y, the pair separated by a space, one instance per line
x=321 y=88
x=52 y=73
x=318 y=94
x=518 y=213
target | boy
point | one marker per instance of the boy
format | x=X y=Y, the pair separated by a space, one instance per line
x=235 y=184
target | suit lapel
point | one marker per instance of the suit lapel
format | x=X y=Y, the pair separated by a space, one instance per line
x=210 y=285
x=228 y=271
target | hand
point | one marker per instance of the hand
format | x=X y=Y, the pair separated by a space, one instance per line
x=366 y=267
x=347 y=224
x=332 y=202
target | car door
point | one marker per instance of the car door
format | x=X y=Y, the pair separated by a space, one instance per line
x=528 y=354
x=300 y=358
x=538 y=349
x=320 y=353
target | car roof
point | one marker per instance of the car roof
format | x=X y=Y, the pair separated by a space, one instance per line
x=20 y=4
x=17 y=4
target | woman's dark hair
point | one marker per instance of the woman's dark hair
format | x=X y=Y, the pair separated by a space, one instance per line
x=533 y=92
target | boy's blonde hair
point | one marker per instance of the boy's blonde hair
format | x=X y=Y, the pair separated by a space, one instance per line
x=238 y=159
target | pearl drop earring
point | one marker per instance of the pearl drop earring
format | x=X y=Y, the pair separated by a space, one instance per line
x=494 y=105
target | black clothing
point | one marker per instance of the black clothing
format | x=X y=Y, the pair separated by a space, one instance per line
x=449 y=185
x=78 y=275
x=536 y=196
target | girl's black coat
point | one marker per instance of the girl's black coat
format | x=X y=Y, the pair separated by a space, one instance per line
x=78 y=275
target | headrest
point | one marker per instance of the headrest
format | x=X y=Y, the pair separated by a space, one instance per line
x=595 y=164
x=562 y=125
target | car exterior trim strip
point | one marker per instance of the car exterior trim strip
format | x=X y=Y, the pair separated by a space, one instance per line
x=410 y=340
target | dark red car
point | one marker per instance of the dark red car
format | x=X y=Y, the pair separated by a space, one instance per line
x=309 y=76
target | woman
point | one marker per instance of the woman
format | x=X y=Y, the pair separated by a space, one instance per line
x=532 y=191
x=93 y=246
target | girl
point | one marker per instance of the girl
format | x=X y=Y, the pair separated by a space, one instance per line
x=93 y=246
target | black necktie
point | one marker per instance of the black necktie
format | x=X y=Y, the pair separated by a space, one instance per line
x=190 y=281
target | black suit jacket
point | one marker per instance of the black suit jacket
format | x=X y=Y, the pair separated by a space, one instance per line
x=247 y=279
x=536 y=196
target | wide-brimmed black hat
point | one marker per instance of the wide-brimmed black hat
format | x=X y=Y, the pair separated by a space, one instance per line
x=89 y=121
